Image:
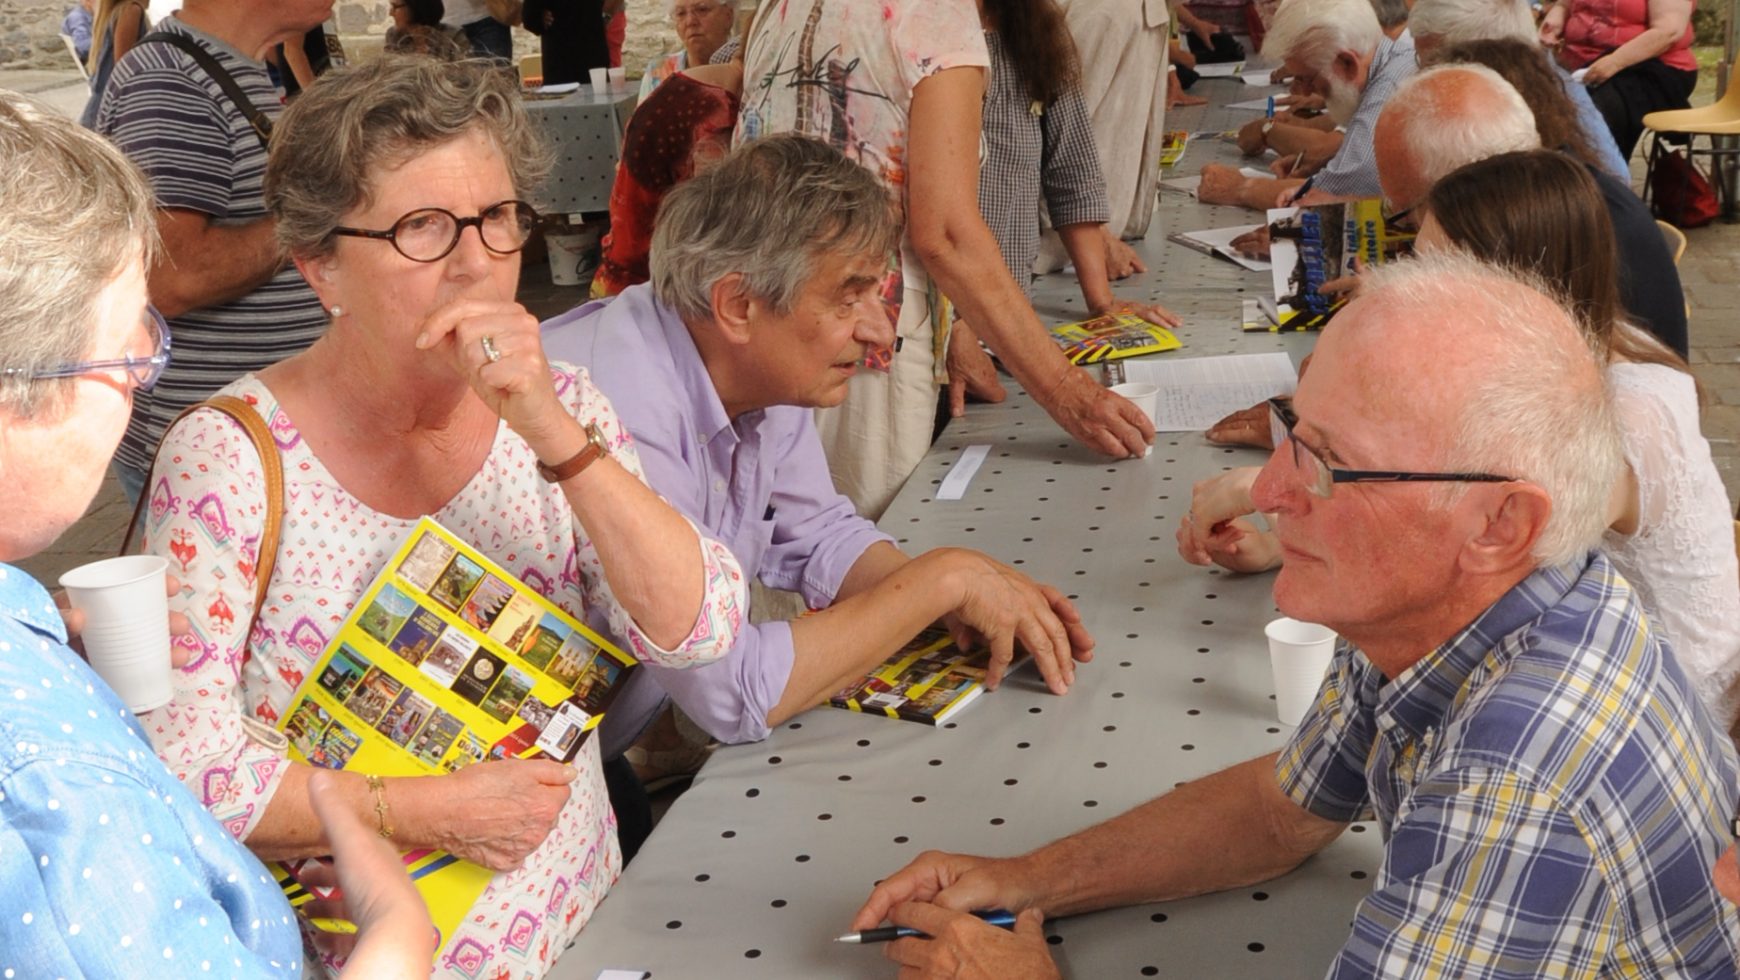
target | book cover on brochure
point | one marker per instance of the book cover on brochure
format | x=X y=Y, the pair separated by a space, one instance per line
x=929 y=681
x=448 y=660
x=1112 y=335
x=1314 y=245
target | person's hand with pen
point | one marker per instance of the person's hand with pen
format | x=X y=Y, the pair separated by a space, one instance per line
x=937 y=895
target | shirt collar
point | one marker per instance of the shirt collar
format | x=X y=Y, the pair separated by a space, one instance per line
x=24 y=601
x=1402 y=46
x=1419 y=698
x=705 y=409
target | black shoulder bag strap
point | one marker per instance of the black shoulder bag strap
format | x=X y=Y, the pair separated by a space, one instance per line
x=261 y=123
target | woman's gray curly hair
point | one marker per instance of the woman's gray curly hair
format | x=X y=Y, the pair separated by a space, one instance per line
x=338 y=138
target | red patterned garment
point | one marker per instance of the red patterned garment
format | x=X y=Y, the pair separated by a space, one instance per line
x=681 y=122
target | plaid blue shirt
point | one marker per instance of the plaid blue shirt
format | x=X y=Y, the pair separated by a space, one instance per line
x=1552 y=795
x=1352 y=171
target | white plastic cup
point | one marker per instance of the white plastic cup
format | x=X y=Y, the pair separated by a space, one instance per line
x=618 y=78
x=571 y=255
x=126 y=632
x=600 y=78
x=1299 y=654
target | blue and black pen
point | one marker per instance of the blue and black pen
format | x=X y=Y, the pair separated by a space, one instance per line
x=887 y=934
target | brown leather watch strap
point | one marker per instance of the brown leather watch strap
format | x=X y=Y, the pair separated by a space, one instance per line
x=592 y=452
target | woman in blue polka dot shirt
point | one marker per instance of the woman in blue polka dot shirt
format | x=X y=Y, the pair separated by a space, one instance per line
x=110 y=867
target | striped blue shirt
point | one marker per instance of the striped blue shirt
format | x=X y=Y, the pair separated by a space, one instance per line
x=1352 y=171
x=1551 y=791
x=199 y=152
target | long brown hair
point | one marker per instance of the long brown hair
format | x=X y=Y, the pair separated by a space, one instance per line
x=1039 y=42
x=1539 y=211
x=103 y=23
x=1526 y=68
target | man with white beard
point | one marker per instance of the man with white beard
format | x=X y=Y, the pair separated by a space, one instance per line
x=1335 y=49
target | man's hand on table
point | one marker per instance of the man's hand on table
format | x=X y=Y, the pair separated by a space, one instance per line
x=998 y=606
x=1245 y=427
x=1096 y=417
x=959 y=882
x=963 y=948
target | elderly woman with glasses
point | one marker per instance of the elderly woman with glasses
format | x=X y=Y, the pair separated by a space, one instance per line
x=703 y=27
x=397 y=187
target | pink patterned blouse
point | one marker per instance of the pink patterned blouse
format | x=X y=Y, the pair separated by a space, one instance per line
x=206 y=515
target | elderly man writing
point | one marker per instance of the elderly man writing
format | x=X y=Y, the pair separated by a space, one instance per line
x=1551 y=793
x=1335 y=49
x=762 y=301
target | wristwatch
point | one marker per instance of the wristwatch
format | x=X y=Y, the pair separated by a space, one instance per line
x=596 y=448
x=1268 y=124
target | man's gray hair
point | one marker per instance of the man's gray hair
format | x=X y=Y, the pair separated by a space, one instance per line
x=340 y=137
x=1390 y=13
x=1537 y=408
x=1315 y=31
x=1453 y=115
x=767 y=211
x=76 y=214
x=1449 y=22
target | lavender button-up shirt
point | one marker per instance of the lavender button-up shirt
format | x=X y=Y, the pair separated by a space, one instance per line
x=759 y=483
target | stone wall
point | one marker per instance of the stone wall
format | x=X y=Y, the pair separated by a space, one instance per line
x=30 y=34
x=29 y=31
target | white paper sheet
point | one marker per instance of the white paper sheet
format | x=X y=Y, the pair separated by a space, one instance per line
x=1218 y=241
x=1196 y=392
x=1256 y=79
x=954 y=486
x=562 y=88
x=1221 y=69
x=1257 y=105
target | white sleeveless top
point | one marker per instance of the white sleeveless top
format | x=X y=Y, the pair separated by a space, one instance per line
x=1681 y=559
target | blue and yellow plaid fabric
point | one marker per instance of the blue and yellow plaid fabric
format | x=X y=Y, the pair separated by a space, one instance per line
x=1551 y=792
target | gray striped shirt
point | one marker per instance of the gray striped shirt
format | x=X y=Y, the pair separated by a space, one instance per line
x=199 y=152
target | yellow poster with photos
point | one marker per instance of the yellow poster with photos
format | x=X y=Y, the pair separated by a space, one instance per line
x=448 y=660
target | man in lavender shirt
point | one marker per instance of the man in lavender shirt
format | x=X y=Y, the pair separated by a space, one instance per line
x=762 y=304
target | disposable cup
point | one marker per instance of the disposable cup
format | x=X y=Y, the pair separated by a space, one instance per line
x=126 y=632
x=618 y=77
x=1299 y=654
x=1145 y=396
x=572 y=253
x=600 y=78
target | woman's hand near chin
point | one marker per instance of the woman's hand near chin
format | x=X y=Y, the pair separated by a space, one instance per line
x=515 y=383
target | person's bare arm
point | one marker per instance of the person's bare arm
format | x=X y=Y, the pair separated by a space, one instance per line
x=1667 y=24
x=296 y=59
x=1225 y=830
x=959 y=252
x=1086 y=246
x=1317 y=145
x=205 y=264
x=126 y=29
x=1224 y=185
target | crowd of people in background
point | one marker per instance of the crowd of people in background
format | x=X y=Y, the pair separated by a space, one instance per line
x=825 y=226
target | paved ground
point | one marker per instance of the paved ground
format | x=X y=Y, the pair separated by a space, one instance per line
x=1710 y=272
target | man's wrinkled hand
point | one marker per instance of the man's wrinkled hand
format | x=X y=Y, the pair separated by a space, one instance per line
x=1098 y=418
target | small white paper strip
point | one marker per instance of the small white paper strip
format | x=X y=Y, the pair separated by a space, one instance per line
x=954 y=486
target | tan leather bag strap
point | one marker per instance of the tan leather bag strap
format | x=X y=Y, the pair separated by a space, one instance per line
x=250 y=420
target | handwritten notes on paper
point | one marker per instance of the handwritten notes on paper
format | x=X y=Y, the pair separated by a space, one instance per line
x=1197 y=392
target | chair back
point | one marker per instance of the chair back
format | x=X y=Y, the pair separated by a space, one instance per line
x=73 y=50
x=1675 y=238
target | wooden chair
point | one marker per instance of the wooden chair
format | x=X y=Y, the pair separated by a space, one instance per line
x=1721 y=118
